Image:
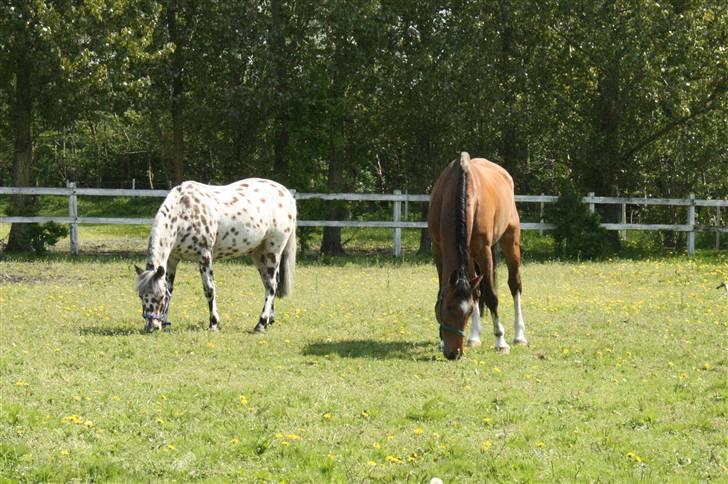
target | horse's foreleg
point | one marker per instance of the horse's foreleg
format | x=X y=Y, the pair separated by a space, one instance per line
x=268 y=268
x=170 y=275
x=511 y=247
x=208 y=285
x=489 y=298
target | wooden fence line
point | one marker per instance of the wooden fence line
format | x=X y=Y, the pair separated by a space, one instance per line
x=397 y=223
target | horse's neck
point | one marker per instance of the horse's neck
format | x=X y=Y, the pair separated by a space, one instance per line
x=161 y=241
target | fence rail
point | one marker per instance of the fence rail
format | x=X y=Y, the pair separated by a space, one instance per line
x=397 y=224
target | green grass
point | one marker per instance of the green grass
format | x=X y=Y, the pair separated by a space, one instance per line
x=625 y=378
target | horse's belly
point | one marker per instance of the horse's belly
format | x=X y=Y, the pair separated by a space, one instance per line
x=235 y=240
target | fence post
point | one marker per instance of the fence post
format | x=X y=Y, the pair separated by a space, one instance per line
x=540 y=217
x=717 y=223
x=623 y=232
x=73 y=213
x=397 y=215
x=691 y=222
x=591 y=204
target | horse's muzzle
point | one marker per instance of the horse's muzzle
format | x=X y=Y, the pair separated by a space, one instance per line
x=454 y=355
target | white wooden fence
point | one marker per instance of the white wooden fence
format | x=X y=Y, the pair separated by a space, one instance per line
x=397 y=223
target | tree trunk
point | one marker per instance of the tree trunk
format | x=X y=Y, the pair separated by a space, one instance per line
x=331 y=242
x=511 y=149
x=424 y=147
x=601 y=168
x=178 y=150
x=281 y=121
x=18 y=240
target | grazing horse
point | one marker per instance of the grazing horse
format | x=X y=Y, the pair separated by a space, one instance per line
x=472 y=207
x=204 y=222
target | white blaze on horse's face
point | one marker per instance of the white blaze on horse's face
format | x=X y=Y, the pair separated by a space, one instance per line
x=457 y=304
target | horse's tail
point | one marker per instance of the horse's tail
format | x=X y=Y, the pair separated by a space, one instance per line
x=288 y=266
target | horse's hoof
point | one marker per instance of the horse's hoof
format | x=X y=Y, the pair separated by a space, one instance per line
x=214 y=328
x=504 y=350
x=259 y=329
x=520 y=342
x=474 y=343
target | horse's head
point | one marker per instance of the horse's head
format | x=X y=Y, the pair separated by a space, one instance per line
x=453 y=308
x=154 y=293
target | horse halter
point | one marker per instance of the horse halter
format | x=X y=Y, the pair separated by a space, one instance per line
x=163 y=315
x=443 y=326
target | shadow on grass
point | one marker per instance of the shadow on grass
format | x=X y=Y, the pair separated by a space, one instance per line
x=364 y=348
x=137 y=328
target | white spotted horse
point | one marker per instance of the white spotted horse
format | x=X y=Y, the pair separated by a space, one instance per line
x=201 y=223
x=472 y=207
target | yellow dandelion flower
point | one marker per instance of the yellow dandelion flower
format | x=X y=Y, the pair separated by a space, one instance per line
x=210 y=345
x=376 y=445
x=365 y=414
x=116 y=398
x=634 y=457
x=394 y=460
x=243 y=400
x=21 y=383
x=487 y=444
x=419 y=431
x=160 y=420
x=279 y=435
x=707 y=366
x=540 y=444
x=332 y=457
x=235 y=441
x=65 y=452
x=171 y=447
x=327 y=416
x=371 y=463
x=88 y=424
x=293 y=437
x=487 y=421
x=285 y=444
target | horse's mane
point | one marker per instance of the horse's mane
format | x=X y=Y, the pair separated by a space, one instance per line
x=146 y=283
x=461 y=206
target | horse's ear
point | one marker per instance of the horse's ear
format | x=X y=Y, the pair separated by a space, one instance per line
x=160 y=273
x=454 y=278
x=138 y=270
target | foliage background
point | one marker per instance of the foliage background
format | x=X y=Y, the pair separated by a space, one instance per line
x=622 y=98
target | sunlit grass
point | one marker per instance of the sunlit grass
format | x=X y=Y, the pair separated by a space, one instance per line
x=625 y=377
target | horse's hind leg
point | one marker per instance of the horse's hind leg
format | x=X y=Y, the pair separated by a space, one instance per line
x=268 y=264
x=489 y=298
x=511 y=246
x=208 y=284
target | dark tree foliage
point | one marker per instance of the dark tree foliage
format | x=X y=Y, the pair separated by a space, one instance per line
x=621 y=97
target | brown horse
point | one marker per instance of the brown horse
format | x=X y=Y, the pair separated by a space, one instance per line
x=472 y=207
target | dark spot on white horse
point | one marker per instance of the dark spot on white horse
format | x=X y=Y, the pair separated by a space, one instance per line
x=262 y=200
x=185 y=200
x=272 y=257
x=271 y=271
x=225 y=236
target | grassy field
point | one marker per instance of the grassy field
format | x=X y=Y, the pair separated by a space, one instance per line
x=625 y=378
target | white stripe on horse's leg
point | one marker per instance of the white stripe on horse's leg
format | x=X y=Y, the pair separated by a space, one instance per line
x=498 y=331
x=475 y=327
x=519 y=326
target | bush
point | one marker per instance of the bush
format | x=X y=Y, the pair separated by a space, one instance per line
x=42 y=236
x=578 y=234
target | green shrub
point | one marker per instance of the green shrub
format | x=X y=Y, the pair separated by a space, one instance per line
x=578 y=234
x=42 y=236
